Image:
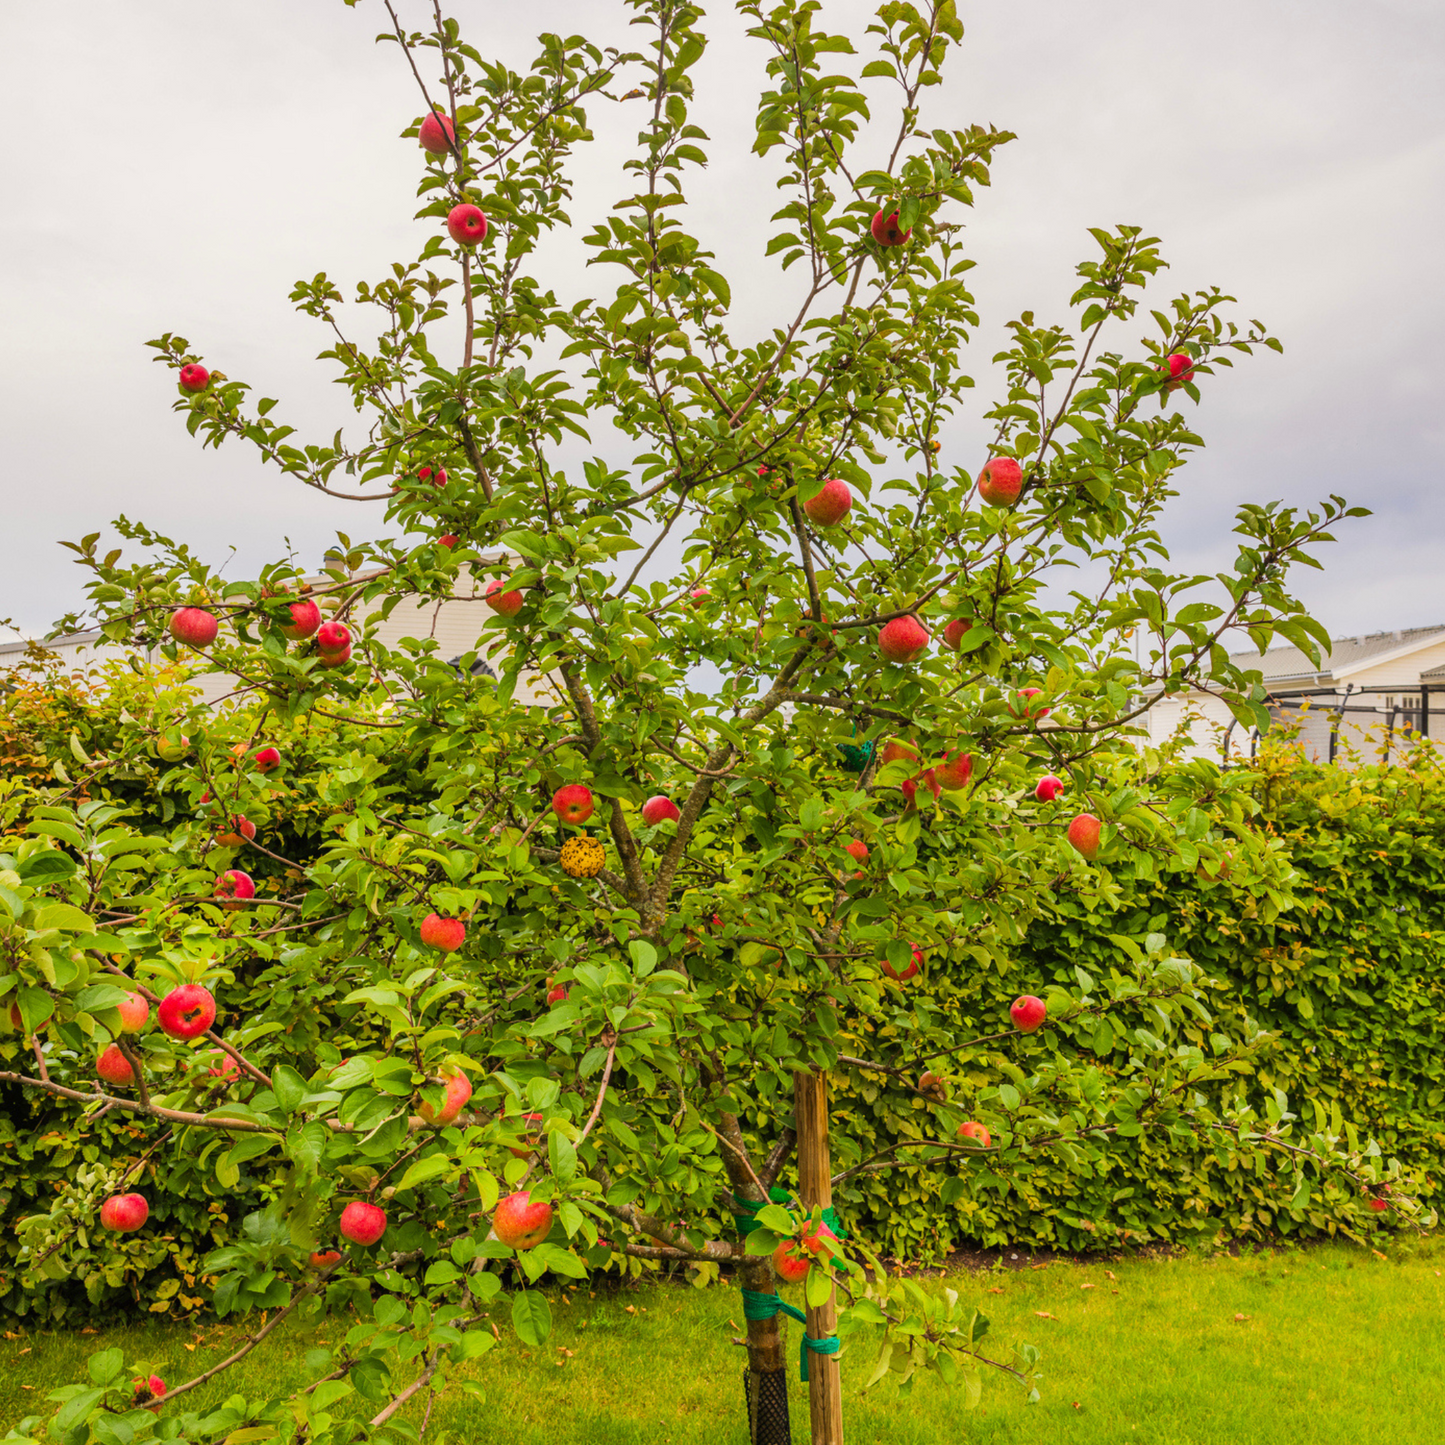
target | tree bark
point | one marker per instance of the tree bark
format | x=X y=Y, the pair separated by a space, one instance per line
x=815 y=1185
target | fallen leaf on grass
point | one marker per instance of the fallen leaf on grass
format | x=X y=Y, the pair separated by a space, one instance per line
x=1077 y=1406
x=994 y=1289
x=631 y=1309
x=1088 y=1286
x=732 y=1324
x=1045 y=1315
x=1238 y=1318
x=1111 y=1274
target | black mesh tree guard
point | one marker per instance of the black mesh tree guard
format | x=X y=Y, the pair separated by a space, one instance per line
x=767 y=1397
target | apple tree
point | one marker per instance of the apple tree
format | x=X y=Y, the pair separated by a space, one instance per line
x=563 y=978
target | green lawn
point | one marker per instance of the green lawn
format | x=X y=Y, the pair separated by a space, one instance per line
x=1336 y=1346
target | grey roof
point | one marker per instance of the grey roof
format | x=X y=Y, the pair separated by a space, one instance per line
x=1290 y=665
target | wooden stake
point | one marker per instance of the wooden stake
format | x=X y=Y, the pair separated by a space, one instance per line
x=815 y=1184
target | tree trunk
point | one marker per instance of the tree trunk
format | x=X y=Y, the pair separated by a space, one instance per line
x=815 y=1185
x=766 y=1381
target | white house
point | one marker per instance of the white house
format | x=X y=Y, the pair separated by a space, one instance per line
x=1369 y=693
x=456 y=624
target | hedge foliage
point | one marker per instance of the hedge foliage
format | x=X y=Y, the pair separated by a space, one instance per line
x=1341 y=954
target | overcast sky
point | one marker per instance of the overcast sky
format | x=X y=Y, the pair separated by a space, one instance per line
x=177 y=166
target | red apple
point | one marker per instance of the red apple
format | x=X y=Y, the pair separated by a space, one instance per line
x=1000 y=482
x=17 y=1020
x=557 y=994
x=323 y=1260
x=886 y=230
x=466 y=225
x=335 y=659
x=974 y=1130
x=1084 y=835
x=449 y=540
x=1049 y=788
x=905 y=639
x=446 y=934
x=1179 y=367
x=792 y=1261
x=436 y=135
x=195 y=377
x=573 y=803
x=897 y=751
x=1379 y=1205
x=305 y=619
x=240 y=830
x=227 y=1070
x=914 y=965
x=333 y=637
x=1030 y=711
x=658 y=809
x=362 y=1223
x=267 y=760
x=186 y=1012
x=509 y=604
x=520 y=1223
x=953 y=633
x=955 y=772
x=699 y=595
x=1028 y=1013
x=437 y=478
x=234 y=888
x=124 y=1212
x=459 y=1090
x=194 y=626
x=857 y=850
x=133 y=1011
x=152 y=1389
x=529 y=1141
x=830 y=505
x=114 y=1067
x=932 y=1085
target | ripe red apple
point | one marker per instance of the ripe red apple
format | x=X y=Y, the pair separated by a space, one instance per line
x=974 y=1130
x=324 y=1259
x=362 y=1223
x=897 y=751
x=830 y=505
x=436 y=134
x=17 y=1020
x=449 y=540
x=1000 y=482
x=1379 y=1205
x=234 y=888
x=1030 y=711
x=573 y=803
x=186 y=1012
x=557 y=994
x=227 y=1070
x=459 y=1090
x=333 y=637
x=886 y=230
x=1049 y=788
x=657 y=809
x=466 y=225
x=905 y=639
x=509 y=604
x=1028 y=1013
x=194 y=626
x=792 y=1261
x=195 y=377
x=267 y=760
x=133 y=1011
x=520 y=1223
x=152 y=1389
x=857 y=850
x=911 y=971
x=114 y=1067
x=1084 y=835
x=932 y=1085
x=955 y=772
x=1179 y=367
x=335 y=659
x=305 y=619
x=240 y=830
x=124 y=1212
x=953 y=633
x=437 y=479
x=446 y=934
x=699 y=595
x=529 y=1140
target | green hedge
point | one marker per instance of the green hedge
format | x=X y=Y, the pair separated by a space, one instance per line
x=1351 y=979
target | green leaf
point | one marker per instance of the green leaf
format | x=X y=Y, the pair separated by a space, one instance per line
x=106 y=1366
x=429 y=1166
x=531 y=1317
x=562 y=1157
x=819 y=1286
x=289 y=1087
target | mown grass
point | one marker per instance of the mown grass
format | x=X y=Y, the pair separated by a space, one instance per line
x=1328 y=1346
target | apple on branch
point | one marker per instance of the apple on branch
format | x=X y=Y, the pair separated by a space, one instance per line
x=124 y=1213
x=1028 y=1013
x=362 y=1223
x=659 y=809
x=186 y=1012
x=445 y=934
x=194 y=626
x=904 y=639
x=828 y=507
x=573 y=803
x=1000 y=482
x=520 y=1222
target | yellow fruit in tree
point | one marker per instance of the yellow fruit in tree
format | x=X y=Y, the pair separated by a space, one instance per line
x=582 y=857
